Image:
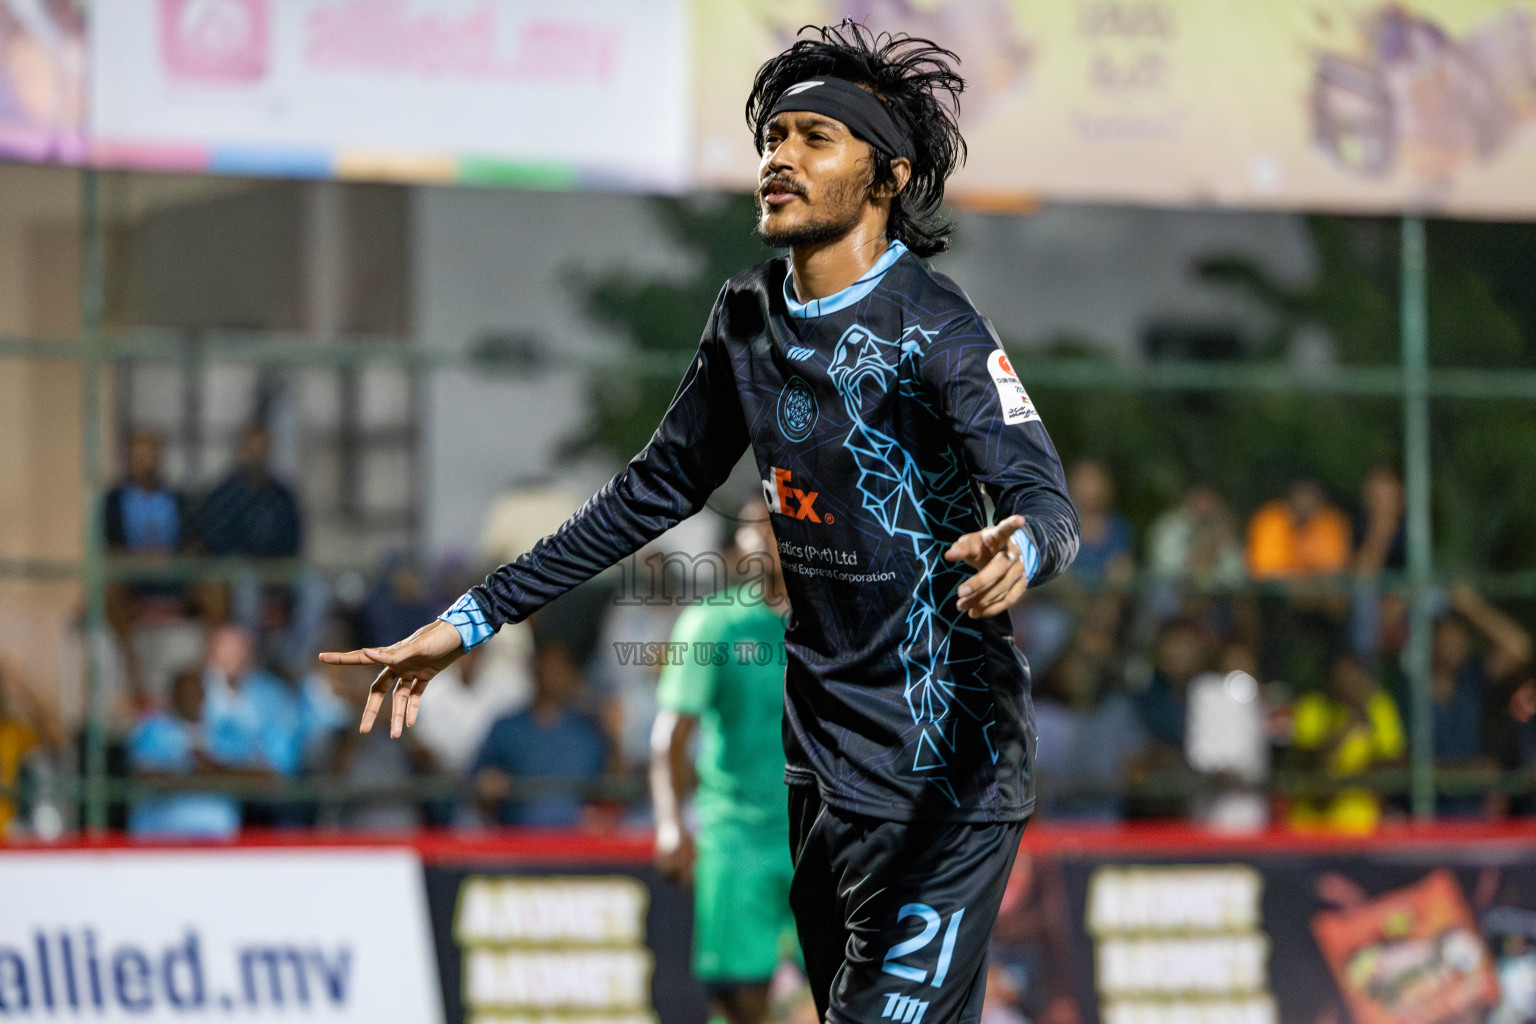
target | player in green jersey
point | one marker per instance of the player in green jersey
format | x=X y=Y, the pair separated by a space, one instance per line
x=729 y=688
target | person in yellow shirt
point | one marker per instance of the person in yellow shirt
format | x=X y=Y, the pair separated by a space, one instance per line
x=1342 y=734
x=27 y=722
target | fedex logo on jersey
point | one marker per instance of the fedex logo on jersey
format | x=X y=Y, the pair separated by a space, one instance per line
x=783 y=497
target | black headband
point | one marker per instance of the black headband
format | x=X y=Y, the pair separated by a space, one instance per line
x=859 y=109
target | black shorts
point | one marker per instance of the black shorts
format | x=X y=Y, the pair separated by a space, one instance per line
x=895 y=917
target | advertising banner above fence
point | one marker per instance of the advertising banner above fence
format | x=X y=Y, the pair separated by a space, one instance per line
x=587 y=93
x=1366 y=105
x=216 y=936
x=1369 y=105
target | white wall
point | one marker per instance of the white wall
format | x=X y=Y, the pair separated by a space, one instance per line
x=497 y=260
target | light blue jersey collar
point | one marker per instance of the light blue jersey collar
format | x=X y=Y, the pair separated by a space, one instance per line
x=848 y=296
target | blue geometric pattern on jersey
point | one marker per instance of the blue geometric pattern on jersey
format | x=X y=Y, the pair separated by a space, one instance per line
x=797 y=409
x=919 y=507
x=466 y=617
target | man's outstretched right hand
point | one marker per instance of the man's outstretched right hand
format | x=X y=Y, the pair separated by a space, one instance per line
x=408 y=667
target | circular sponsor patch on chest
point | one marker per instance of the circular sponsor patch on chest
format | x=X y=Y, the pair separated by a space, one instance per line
x=797 y=409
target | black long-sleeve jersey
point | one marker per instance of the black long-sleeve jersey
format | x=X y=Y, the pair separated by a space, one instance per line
x=877 y=417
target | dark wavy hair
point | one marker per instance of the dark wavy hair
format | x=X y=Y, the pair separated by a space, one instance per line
x=915 y=78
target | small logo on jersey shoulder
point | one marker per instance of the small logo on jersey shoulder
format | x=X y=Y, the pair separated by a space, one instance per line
x=797 y=410
x=1017 y=406
x=801 y=352
x=783 y=497
x=902 y=1008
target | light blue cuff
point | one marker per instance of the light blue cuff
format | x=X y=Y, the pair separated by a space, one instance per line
x=1030 y=553
x=466 y=617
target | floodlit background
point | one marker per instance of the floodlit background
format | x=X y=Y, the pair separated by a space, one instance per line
x=313 y=311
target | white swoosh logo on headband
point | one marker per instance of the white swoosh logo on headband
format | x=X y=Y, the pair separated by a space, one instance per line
x=795 y=90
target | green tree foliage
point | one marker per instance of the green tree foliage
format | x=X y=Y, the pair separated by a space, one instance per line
x=661 y=318
x=1482 y=314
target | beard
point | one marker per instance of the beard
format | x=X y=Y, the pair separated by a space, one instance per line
x=843 y=202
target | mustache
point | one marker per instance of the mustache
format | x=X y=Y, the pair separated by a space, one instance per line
x=781 y=185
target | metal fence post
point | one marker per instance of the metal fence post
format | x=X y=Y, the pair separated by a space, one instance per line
x=92 y=303
x=1416 y=479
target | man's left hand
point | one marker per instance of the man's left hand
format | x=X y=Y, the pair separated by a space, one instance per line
x=999 y=583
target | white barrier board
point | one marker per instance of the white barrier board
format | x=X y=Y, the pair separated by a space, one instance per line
x=222 y=935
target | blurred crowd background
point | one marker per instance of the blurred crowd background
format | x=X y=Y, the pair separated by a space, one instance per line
x=1228 y=647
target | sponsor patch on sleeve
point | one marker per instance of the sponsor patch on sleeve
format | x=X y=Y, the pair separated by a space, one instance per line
x=1017 y=408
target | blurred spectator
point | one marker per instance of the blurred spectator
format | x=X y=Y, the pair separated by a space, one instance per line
x=1378 y=525
x=1043 y=625
x=1518 y=753
x=1463 y=680
x=549 y=743
x=1107 y=555
x=1294 y=538
x=464 y=699
x=1196 y=542
x=1341 y=734
x=1378 y=546
x=1184 y=650
x=398 y=604
x=375 y=761
x=28 y=725
x=146 y=519
x=253 y=515
x=1298 y=535
x=176 y=745
x=1227 y=740
x=260 y=718
x=1089 y=731
x=293 y=716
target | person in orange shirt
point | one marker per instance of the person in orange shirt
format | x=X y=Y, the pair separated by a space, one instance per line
x=27 y=722
x=1300 y=534
x=1298 y=540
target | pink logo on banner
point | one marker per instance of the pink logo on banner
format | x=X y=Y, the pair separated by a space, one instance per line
x=214 y=40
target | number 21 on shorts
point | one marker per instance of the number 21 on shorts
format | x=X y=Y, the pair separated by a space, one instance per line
x=931 y=924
